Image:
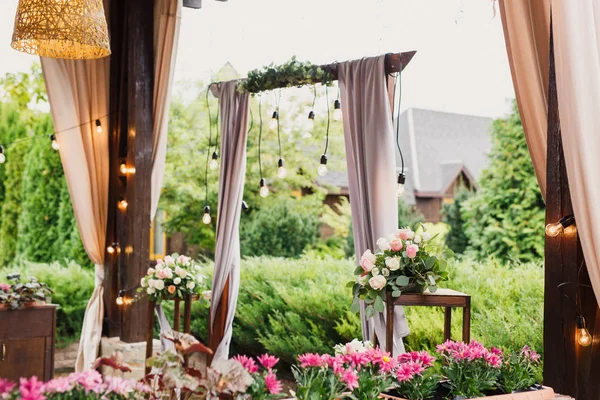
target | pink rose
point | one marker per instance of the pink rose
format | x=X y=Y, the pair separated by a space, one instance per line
x=396 y=244
x=403 y=233
x=180 y=272
x=5 y=287
x=411 y=250
x=367 y=261
x=159 y=261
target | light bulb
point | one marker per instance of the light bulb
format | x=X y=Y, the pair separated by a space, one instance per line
x=123 y=169
x=113 y=248
x=122 y=204
x=206 y=219
x=110 y=249
x=311 y=120
x=274 y=120
x=264 y=189
x=337 y=110
x=120 y=301
x=553 y=230
x=583 y=335
x=401 y=181
x=98 y=126
x=54 y=142
x=322 y=170
x=214 y=164
x=281 y=171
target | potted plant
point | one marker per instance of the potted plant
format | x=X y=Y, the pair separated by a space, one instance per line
x=317 y=377
x=405 y=263
x=23 y=294
x=414 y=377
x=266 y=386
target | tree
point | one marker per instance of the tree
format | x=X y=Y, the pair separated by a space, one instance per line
x=11 y=207
x=25 y=89
x=42 y=183
x=69 y=240
x=409 y=215
x=506 y=217
x=456 y=239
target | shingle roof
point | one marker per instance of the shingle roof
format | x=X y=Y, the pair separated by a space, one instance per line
x=436 y=146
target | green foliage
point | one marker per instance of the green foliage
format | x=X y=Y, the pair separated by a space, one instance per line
x=69 y=241
x=42 y=184
x=25 y=89
x=286 y=227
x=72 y=286
x=506 y=216
x=456 y=239
x=11 y=207
x=292 y=73
x=409 y=216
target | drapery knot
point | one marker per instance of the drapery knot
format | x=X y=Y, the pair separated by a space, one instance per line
x=99 y=274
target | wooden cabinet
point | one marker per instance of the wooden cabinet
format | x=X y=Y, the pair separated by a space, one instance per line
x=27 y=338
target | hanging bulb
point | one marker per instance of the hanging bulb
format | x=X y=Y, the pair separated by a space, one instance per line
x=554 y=229
x=120 y=300
x=122 y=204
x=337 y=110
x=54 y=142
x=98 y=126
x=264 y=189
x=400 y=189
x=583 y=335
x=2 y=155
x=245 y=206
x=322 y=170
x=311 y=119
x=274 y=120
x=214 y=164
x=206 y=219
x=113 y=248
x=281 y=171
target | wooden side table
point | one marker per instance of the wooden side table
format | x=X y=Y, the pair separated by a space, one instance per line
x=187 y=318
x=446 y=298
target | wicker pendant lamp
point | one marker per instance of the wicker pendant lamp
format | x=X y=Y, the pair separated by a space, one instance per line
x=71 y=29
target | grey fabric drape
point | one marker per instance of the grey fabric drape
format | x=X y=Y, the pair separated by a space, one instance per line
x=371 y=164
x=234 y=126
x=78 y=95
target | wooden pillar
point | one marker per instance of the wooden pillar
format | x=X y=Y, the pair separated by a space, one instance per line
x=131 y=94
x=568 y=367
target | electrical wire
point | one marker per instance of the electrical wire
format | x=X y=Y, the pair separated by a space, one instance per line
x=259 y=133
x=278 y=131
x=208 y=148
x=398 y=83
x=328 y=121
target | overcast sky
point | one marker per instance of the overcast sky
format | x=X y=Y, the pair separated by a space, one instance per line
x=460 y=66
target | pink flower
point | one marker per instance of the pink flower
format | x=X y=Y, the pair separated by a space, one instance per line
x=404 y=373
x=182 y=273
x=5 y=287
x=396 y=244
x=357 y=360
x=311 y=360
x=159 y=261
x=529 y=353
x=496 y=351
x=272 y=384
x=404 y=233
x=6 y=387
x=58 y=385
x=493 y=360
x=268 y=361
x=366 y=263
x=411 y=250
x=247 y=363
x=350 y=378
x=31 y=389
x=91 y=381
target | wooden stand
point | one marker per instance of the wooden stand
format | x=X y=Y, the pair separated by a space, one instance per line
x=446 y=298
x=187 y=318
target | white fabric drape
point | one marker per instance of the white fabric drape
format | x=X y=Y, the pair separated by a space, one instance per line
x=576 y=28
x=371 y=167
x=78 y=95
x=167 y=22
x=234 y=108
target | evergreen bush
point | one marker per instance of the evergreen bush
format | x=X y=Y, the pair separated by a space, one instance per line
x=456 y=239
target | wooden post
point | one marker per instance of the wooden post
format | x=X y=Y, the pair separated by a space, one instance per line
x=568 y=366
x=389 y=326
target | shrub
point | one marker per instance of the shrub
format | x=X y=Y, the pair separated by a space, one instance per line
x=72 y=286
x=409 y=215
x=456 y=239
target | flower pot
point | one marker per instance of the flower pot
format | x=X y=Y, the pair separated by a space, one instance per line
x=33 y=303
x=544 y=394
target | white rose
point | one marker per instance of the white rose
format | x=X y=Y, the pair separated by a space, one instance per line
x=169 y=273
x=150 y=290
x=207 y=294
x=150 y=271
x=411 y=234
x=169 y=260
x=190 y=285
x=383 y=244
x=385 y=272
x=143 y=282
x=177 y=281
x=393 y=263
x=159 y=285
x=375 y=271
x=362 y=280
x=426 y=236
x=377 y=282
x=417 y=239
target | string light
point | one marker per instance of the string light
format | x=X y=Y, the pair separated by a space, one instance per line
x=2 y=155
x=311 y=114
x=322 y=170
x=120 y=301
x=114 y=248
x=206 y=219
x=337 y=109
x=125 y=170
x=556 y=228
x=213 y=162
x=281 y=171
x=583 y=335
x=122 y=204
x=400 y=189
x=274 y=120
x=264 y=189
x=245 y=206
x=54 y=143
x=98 y=126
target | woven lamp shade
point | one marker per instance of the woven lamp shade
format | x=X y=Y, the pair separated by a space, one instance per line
x=71 y=29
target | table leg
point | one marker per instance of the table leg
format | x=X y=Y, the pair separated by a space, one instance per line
x=187 y=314
x=176 y=315
x=467 y=322
x=389 y=325
x=448 y=323
x=149 y=334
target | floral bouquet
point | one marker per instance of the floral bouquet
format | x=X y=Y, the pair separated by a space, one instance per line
x=174 y=277
x=266 y=386
x=471 y=369
x=405 y=262
x=519 y=371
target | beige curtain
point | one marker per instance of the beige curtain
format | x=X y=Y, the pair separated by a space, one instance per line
x=526 y=26
x=167 y=21
x=576 y=28
x=78 y=95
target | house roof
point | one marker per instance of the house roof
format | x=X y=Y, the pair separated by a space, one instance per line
x=437 y=148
